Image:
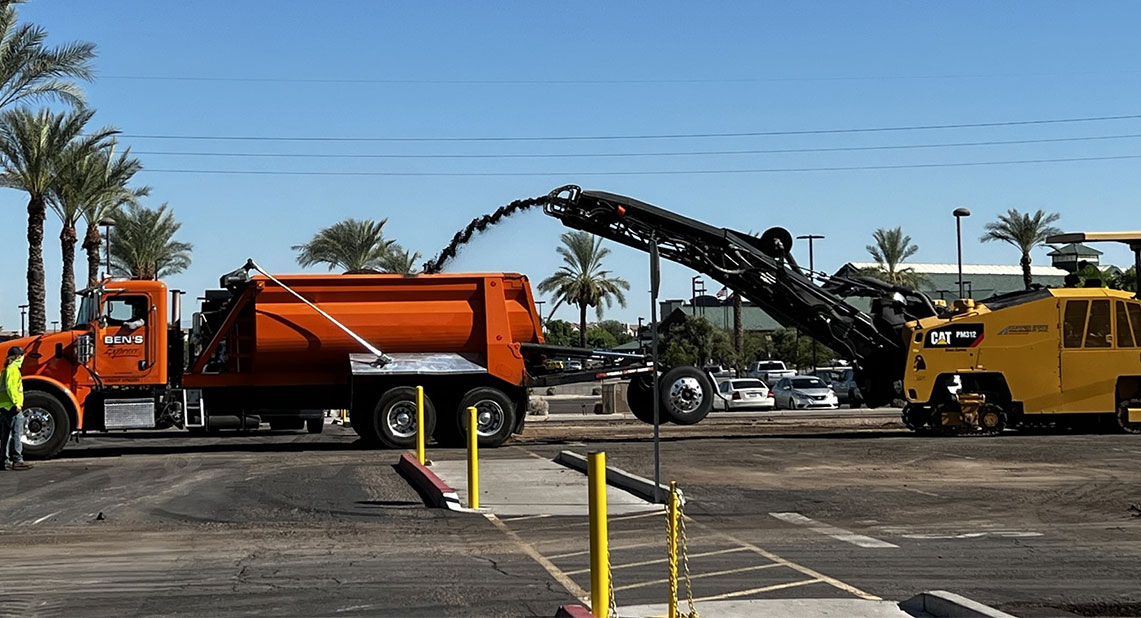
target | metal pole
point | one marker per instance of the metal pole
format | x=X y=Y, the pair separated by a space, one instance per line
x=599 y=538
x=654 y=282
x=959 y=242
x=23 y=314
x=473 y=457
x=420 y=425
x=671 y=548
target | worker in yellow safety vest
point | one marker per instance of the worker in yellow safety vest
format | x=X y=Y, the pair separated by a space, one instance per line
x=12 y=412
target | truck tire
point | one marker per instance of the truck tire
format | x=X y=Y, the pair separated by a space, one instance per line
x=315 y=425
x=686 y=395
x=640 y=398
x=360 y=419
x=46 y=425
x=394 y=419
x=495 y=414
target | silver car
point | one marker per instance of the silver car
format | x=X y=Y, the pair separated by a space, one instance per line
x=743 y=393
x=804 y=392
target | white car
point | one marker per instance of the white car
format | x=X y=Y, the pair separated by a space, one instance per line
x=743 y=393
x=804 y=392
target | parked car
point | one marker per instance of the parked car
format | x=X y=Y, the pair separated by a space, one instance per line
x=717 y=371
x=804 y=392
x=846 y=389
x=574 y=365
x=743 y=393
x=769 y=371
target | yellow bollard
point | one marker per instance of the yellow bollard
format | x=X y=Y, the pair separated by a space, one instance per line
x=473 y=457
x=671 y=547
x=599 y=539
x=420 y=425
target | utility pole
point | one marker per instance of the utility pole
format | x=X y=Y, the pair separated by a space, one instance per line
x=23 y=313
x=812 y=278
x=108 y=223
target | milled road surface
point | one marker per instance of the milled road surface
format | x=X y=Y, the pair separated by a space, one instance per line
x=292 y=524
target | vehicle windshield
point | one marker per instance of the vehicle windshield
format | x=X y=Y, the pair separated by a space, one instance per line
x=748 y=384
x=807 y=383
x=87 y=313
x=763 y=366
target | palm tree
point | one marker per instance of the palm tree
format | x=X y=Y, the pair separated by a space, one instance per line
x=30 y=71
x=87 y=177
x=354 y=245
x=890 y=250
x=1024 y=231
x=582 y=281
x=143 y=245
x=31 y=148
x=400 y=261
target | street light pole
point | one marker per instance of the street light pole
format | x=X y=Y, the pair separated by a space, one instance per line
x=959 y=214
x=23 y=312
x=108 y=223
x=811 y=256
x=812 y=278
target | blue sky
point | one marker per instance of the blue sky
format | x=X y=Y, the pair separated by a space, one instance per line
x=439 y=70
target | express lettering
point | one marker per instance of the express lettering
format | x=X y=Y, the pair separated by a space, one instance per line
x=121 y=339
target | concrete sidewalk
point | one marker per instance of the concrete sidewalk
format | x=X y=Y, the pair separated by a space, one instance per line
x=532 y=486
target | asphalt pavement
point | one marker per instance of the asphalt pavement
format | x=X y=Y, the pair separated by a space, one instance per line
x=847 y=507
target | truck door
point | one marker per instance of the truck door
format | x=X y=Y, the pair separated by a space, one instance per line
x=124 y=342
x=1089 y=356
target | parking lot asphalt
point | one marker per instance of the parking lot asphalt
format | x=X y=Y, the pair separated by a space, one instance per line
x=291 y=524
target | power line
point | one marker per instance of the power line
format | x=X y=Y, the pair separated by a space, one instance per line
x=636 y=154
x=615 y=81
x=928 y=127
x=650 y=172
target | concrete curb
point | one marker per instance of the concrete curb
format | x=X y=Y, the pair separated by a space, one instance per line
x=573 y=611
x=439 y=494
x=943 y=604
x=643 y=488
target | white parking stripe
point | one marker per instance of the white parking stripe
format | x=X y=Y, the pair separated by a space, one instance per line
x=743 y=593
x=839 y=534
x=46 y=517
x=657 y=582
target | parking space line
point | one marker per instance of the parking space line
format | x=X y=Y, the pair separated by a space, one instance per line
x=613 y=567
x=46 y=517
x=612 y=549
x=839 y=534
x=759 y=567
x=568 y=583
x=524 y=517
x=832 y=581
x=743 y=593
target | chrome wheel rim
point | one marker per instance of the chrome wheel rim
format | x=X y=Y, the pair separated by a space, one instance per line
x=401 y=419
x=489 y=417
x=39 y=426
x=685 y=395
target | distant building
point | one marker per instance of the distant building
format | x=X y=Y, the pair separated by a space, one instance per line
x=1070 y=258
x=720 y=313
x=979 y=280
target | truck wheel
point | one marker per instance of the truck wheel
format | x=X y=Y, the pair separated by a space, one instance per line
x=360 y=419
x=46 y=425
x=686 y=395
x=394 y=418
x=315 y=425
x=495 y=415
x=640 y=398
x=1123 y=416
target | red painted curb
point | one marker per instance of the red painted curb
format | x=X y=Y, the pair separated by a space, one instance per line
x=573 y=611
x=438 y=492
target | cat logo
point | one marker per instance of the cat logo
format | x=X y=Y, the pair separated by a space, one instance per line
x=957 y=336
x=121 y=339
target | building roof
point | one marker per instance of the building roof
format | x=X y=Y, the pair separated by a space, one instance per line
x=1076 y=249
x=969 y=269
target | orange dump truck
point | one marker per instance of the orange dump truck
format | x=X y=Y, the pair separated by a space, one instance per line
x=281 y=350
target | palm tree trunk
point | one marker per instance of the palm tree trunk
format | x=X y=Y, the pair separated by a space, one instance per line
x=67 y=239
x=37 y=294
x=1026 y=278
x=582 y=325
x=739 y=331
x=91 y=243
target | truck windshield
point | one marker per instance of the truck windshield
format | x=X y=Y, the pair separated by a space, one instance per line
x=86 y=314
